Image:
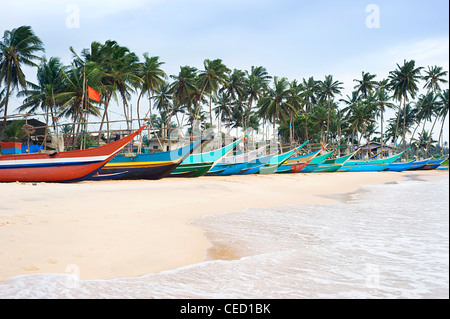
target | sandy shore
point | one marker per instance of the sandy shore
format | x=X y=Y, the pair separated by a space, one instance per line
x=113 y=229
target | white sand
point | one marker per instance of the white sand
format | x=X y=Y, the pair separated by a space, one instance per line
x=113 y=229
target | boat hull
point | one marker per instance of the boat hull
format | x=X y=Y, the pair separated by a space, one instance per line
x=400 y=167
x=61 y=166
x=150 y=166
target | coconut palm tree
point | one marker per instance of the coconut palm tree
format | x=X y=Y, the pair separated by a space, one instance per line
x=211 y=78
x=234 y=87
x=309 y=90
x=366 y=84
x=18 y=48
x=329 y=88
x=274 y=105
x=403 y=82
x=42 y=96
x=183 y=86
x=381 y=102
x=294 y=103
x=443 y=112
x=255 y=84
x=152 y=77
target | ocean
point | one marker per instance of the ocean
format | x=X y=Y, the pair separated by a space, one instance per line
x=381 y=241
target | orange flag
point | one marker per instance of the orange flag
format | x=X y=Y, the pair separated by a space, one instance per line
x=93 y=94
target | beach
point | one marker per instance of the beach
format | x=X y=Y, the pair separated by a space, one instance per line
x=114 y=229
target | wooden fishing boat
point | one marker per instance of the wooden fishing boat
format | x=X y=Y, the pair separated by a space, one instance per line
x=297 y=163
x=315 y=162
x=65 y=166
x=148 y=165
x=276 y=161
x=400 y=167
x=332 y=165
x=433 y=163
x=255 y=165
x=370 y=165
x=418 y=164
x=234 y=164
x=196 y=165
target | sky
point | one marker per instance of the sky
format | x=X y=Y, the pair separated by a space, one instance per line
x=291 y=38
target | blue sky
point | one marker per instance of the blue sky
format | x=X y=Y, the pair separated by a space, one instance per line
x=293 y=39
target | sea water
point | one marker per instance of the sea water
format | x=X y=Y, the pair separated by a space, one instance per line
x=382 y=241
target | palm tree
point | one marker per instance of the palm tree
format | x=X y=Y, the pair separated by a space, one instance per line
x=73 y=95
x=366 y=84
x=152 y=77
x=319 y=118
x=50 y=77
x=255 y=84
x=18 y=48
x=309 y=89
x=361 y=117
x=443 y=109
x=328 y=90
x=211 y=78
x=234 y=88
x=274 y=105
x=433 y=77
x=295 y=103
x=183 y=86
x=382 y=101
x=404 y=81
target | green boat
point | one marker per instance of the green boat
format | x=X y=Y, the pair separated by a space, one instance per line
x=272 y=165
x=332 y=165
x=196 y=165
x=314 y=163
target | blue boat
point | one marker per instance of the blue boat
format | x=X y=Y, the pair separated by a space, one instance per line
x=148 y=165
x=369 y=165
x=400 y=167
x=255 y=165
x=434 y=163
x=419 y=164
x=234 y=164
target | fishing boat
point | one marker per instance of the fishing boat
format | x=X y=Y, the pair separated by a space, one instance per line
x=419 y=164
x=276 y=161
x=400 y=167
x=315 y=162
x=332 y=165
x=196 y=165
x=433 y=163
x=255 y=165
x=66 y=166
x=151 y=166
x=297 y=163
x=234 y=164
x=370 y=165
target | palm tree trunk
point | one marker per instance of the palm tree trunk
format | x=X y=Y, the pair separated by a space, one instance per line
x=6 y=103
x=404 y=125
x=328 y=122
x=440 y=133
x=429 y=137
x=381 y=128
x=210 y=109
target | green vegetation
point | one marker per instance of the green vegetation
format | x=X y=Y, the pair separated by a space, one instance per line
x=219 y=96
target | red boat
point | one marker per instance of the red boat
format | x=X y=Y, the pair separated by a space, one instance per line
x=60 y=166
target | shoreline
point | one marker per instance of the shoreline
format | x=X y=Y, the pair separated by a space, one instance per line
x=115 y=229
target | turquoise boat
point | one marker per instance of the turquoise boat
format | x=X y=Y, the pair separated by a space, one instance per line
x=196 y=165
x=315 y=162
x=234 y=164
x=255 y=165
x=419 y=164
x=276 y=161
x=370 y=165
x=297 y=163
x=332 y=165
x=148 y=165
x=434 y=163
x=400 y=167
